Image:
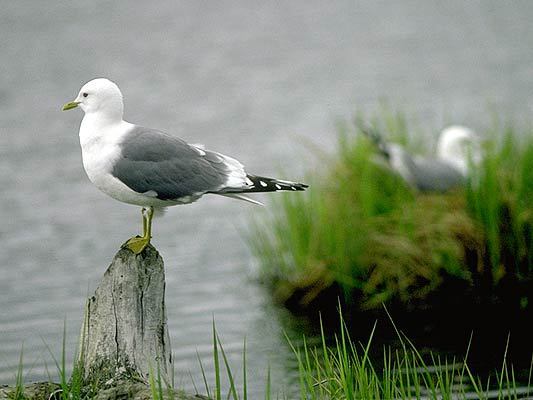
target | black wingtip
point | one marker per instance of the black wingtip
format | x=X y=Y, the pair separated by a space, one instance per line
x=261 y=184
x=264 y=184
x=300 y=186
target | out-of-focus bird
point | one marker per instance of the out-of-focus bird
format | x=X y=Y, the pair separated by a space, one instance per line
x=458 y=148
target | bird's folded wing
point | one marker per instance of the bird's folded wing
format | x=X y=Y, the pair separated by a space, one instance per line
x=153 y=161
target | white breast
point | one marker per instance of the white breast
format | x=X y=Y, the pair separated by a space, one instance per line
x=100 y=149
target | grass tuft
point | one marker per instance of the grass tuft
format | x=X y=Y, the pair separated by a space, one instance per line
x=360 y=232
x=18 y=393
x=73 y=386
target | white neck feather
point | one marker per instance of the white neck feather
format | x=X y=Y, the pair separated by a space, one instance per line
x=458 y=147
x=99 y=127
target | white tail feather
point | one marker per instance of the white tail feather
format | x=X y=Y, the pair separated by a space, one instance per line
x=241 y=197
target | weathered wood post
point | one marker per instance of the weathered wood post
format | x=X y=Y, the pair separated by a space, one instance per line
x=124 y=335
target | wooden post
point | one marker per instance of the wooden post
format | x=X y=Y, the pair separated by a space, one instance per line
x=124 y=335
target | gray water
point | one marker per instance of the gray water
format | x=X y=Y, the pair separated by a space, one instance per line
x=254 y=80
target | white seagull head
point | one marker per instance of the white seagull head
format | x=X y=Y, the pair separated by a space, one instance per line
x=99 y=96
x=459 y=146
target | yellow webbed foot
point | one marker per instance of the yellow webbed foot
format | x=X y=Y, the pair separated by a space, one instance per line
x=137 y=244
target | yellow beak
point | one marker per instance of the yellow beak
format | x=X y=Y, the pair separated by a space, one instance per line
x=71 y=105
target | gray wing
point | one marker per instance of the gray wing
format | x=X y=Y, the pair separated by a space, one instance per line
x=435 y=175
x=426 y=174
x=152 y=160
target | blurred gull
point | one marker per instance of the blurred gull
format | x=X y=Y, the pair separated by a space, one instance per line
x=458 y=148
x=150 y=168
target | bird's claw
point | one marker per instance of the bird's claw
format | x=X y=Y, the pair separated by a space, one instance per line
x=137 y=244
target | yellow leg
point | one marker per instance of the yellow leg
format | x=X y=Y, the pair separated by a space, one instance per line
x=143 y=213
x=138 y=243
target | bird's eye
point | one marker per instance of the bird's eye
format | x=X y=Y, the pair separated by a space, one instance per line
x=85 y=94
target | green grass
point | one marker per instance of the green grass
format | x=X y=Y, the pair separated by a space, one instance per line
x=18 y=393
x=346 y=370
x=71 y=386
x=500 y=198
x=160 y=387
x=343 y=370
x=360 y=230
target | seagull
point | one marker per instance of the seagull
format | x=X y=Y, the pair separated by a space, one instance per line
x=150 y=168
x=458 y=149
